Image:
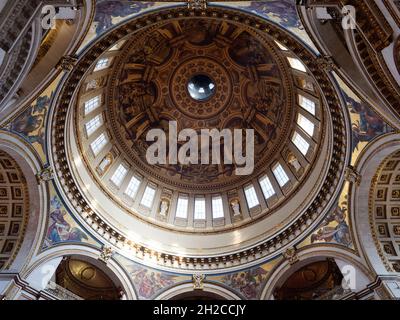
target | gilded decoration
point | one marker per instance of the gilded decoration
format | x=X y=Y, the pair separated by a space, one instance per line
x=198 y=281
x=61 y=226
x=251 y=85
x=231 y=17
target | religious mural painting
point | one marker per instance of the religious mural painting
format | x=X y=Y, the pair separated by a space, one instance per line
x=62 y=228
x=366 y=125
x=334 y=228
x=148 y=282
x=282 y=12
x=31 y=123
x=247 y=283
x=110 y=13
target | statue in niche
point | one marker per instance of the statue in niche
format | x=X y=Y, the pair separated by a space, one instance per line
x=93 y=84
x=294 y=162
x=235 y=205
x=105 y=164
x=164 y=206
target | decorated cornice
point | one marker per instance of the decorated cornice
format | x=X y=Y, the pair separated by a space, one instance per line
x=265 y=249
x=373 y=33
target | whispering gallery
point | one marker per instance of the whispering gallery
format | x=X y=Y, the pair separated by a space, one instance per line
x=89 y=88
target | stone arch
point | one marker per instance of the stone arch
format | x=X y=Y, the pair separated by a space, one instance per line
x=26 y=159
x=186 y=289
x=361 y=208
x=313 y=253
x=46 y=263
x=385 y=210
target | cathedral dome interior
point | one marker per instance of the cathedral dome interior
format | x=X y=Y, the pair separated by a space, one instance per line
x=275 y=126
x=142 y=82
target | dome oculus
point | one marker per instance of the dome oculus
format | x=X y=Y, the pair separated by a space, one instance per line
x=146 y=87
x=201 y=87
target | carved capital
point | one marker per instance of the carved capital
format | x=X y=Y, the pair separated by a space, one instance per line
x=46 y=174
x=291 y=255
x=326 y=63
x=197 y=4
x=106 y=254
x=198 y=281
x=67 y=63
x=351 y=175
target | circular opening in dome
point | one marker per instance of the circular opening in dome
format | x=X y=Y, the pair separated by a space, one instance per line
x=201 y=87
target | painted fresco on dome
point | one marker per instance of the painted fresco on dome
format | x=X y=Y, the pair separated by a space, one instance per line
x=282 y=12
x=365 y=123
x=31 y=123
x=248 y=283
x=334 y=228
x=62 y=228
x=149 y=282
x=109 y=13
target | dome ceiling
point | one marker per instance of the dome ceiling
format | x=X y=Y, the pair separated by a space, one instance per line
x=223 y=69
x=251 y=89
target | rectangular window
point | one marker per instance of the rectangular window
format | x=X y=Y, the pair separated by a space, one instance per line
x=305 y=124
x=133 y=187
x=117 y=46
x=119 y=175
x=148 y=197
x=267 y=188
x=93 y=124
x=307 y=104
x=300 y=143
x=101 y=64
x=280 y=175
x=217 y=208
x=200 y=208
x=282 y=47
x=251 y=196
x=92 y=104
x=98 y=144
x=104 y=164
x=296 y=64
x=182 y=207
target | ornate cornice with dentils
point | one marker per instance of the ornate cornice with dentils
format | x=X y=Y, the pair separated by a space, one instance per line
x=269 y=247
x=373 y=34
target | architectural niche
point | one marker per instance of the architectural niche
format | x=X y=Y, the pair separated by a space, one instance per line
x=77 y=279
x=133 y=73
x=84 y=215
x=321 y=280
